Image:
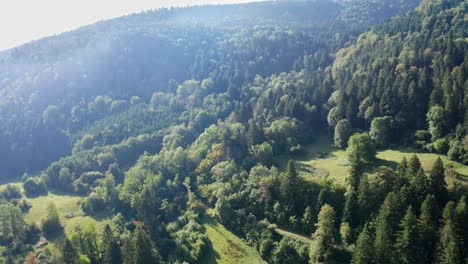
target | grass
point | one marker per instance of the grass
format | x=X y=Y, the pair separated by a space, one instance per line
x=65 y=204
x=321 y=160
x=225 y=247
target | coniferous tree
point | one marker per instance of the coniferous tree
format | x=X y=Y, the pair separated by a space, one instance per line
x=320 y=249
x=427 y=229
x=437 y=181
x=363 y=252
x=403 y=167
x=111 y=252
x=128 y=251
x=385 y=227
x=69 y=252
x=52 y=223
x=461 y=216
x=414 y=165
x=290 y=187
x=350 y=211
x=143 y=247
x=420 y=187
x=448 y=250
x=407 y=238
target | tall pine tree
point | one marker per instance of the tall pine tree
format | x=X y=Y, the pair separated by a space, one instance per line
x=437 y=181
x=363 y=252
x=448 y=250
x=111 y=252
x=385 y=227
x=407 y=238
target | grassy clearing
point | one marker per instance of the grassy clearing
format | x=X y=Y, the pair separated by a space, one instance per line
x=65 y=204
x=225 y=247
x=320 y=160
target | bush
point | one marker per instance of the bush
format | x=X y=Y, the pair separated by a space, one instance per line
x=91 y=177
x=92 y=204
x=441 y=145
x=11 y=192
x=34 y=187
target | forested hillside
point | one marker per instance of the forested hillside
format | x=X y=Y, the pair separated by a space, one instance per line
x=172 y=129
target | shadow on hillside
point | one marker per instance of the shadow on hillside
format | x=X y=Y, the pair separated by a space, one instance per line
x=210 y=256
x=56 y=237
x=387 y=163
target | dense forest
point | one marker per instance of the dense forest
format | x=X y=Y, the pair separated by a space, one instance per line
x=161 y=120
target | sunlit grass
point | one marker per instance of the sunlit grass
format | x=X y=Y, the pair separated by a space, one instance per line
x=65 y=204
x=225 y=247
x=320 y=160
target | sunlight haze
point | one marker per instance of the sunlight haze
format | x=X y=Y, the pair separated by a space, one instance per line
x=22 y=20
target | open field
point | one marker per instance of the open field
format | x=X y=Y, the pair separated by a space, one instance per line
x=225 y=247
x=65 y=204
x=320 y=160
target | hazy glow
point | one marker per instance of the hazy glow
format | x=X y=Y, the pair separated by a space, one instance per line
x=25 y=20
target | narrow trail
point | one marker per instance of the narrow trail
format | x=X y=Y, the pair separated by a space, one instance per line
x=293 y=235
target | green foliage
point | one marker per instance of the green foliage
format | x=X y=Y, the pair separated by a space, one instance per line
x=51 y=224
x=110 y=248
x=192 y=110
x=437 y=122
x=34 y=186
x=320 y=249
x=342 y=133
x=12 y=226
x=385 y=227
x=382 y=130
x=69 y=253
x=363 y=252
x=407 y=239
x=361 y=149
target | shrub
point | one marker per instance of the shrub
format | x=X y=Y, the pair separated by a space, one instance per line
x=441 y=145
x=93 y=203
x=34 y=186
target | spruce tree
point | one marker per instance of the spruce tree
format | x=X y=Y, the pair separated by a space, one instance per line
x=143 y=247
x=290 y=186
x=420 y=187
x=351 y=209
x=414 y=165
x=128 y=251
x=437 y=181
x=427 y=229
x=70 y=254
x=323 y=236
x=461 y=216
x=448 y=250
x=407 y=238
x=385 y=227
x=111 y=252
x=363 y=252
x=403 y=168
